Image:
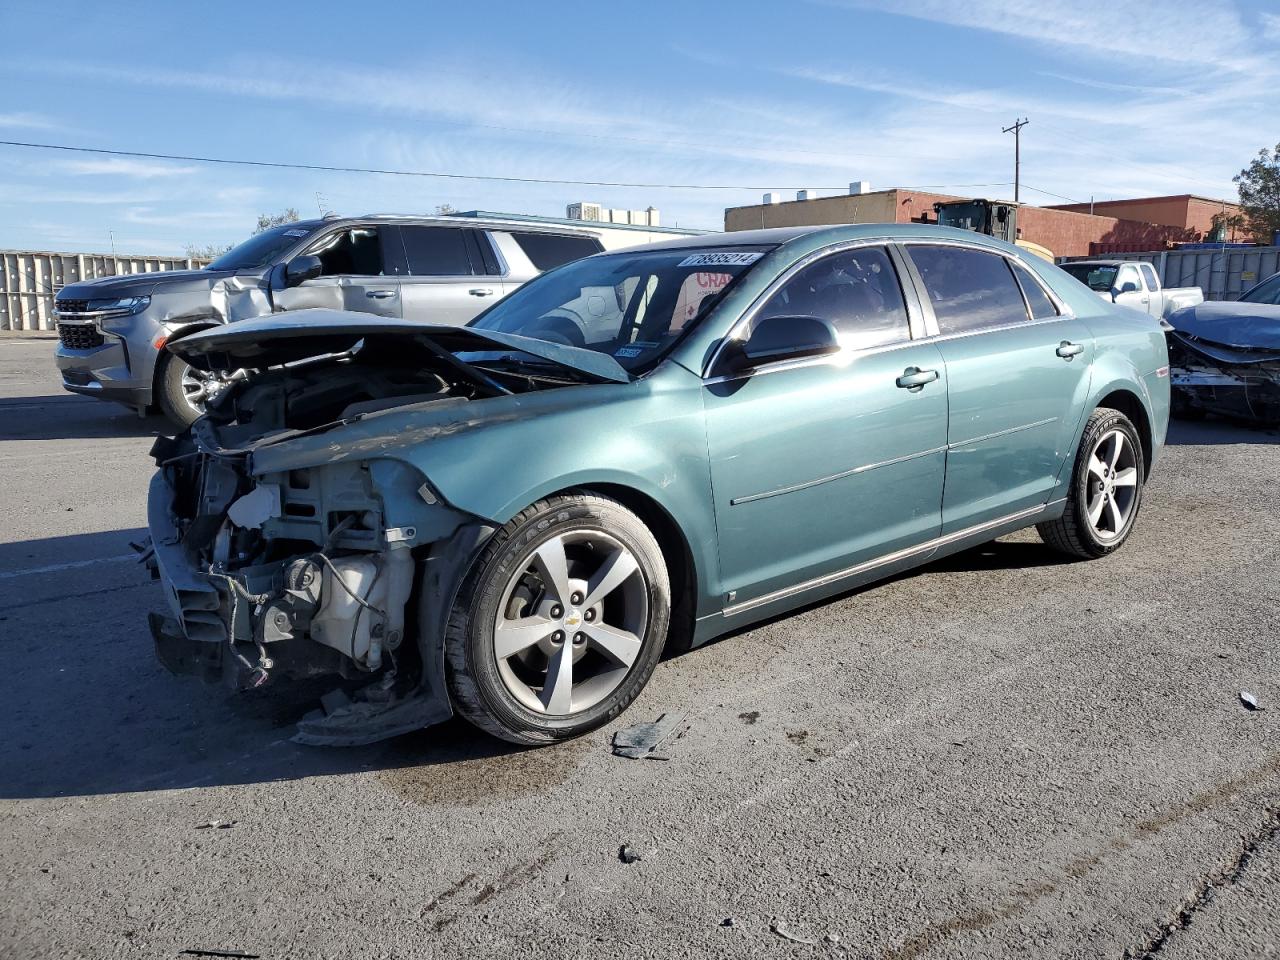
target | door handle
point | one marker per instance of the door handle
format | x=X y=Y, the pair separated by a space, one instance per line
x=1066 y=349
x=380 y=294
x=481 y=291
x=914 y=379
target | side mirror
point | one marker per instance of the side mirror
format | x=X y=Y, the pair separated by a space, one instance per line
x=1127 y=287
x=787 y=338
x=302 y=268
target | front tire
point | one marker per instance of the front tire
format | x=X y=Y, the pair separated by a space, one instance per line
x=560 y=622
x=1106 y=489
x=178 y=393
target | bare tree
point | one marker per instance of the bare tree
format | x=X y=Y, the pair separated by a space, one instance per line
x=266 y=221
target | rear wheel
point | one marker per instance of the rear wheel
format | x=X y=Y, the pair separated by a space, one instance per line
x=1106 y=489
x=560 y=623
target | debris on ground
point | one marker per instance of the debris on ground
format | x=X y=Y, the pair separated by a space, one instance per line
x=780 y=928
x=728 y=922
x=637 y=742
x=628 y=854
x=750 y=717
x=216 y=825
x=1248 y=700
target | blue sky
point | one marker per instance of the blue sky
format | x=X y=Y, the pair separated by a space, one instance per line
x=1124 y=100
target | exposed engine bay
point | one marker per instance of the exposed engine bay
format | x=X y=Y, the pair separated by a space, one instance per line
x=288 y=554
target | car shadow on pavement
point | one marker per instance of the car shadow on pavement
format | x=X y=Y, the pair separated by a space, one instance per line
x=69 y=417
x=90 y=711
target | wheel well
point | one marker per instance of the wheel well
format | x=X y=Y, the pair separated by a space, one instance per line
x=163 y=360
x=1129 y=404
x=681 y=569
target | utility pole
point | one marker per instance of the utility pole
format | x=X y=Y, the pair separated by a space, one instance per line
x=1016 y=130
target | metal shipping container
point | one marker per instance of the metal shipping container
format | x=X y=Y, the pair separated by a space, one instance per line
x=1223 y=273
x=29 y=280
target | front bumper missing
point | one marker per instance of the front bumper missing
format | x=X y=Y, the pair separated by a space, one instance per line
x=194 y=639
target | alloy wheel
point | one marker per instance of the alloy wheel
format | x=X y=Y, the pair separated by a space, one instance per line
x=1112 y=485
x=571 y=623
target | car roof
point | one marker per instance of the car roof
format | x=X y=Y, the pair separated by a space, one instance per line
x=823 y=234
x=445 y=220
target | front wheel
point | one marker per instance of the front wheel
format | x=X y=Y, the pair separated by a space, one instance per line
x=182 y=391
x=1106 y=489
x=560 y=622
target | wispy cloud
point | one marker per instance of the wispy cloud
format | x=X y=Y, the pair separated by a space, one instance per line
x=27 y=121
x=124 y=167
x=1204 y=31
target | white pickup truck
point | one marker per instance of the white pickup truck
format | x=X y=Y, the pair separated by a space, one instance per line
x=1133 y=283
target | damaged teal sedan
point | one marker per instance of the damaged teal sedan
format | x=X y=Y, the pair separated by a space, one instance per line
x=636 y=452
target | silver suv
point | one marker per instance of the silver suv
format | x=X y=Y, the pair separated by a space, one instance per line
x=112 y=331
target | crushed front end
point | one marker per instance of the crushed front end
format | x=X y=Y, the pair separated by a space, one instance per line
x=294 y=539
x=1241 y=382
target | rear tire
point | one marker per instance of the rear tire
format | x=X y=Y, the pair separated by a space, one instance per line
x=560 y=622
x=1106 y=489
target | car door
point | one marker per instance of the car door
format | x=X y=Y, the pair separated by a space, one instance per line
x=359 y=271
x=1155 y=296
x=452 y=274
x=1129 y=290
x=1017 y=377
x=823 y=464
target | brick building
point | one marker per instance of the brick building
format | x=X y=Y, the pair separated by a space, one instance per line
x=1064 y=229
x=1184 y=210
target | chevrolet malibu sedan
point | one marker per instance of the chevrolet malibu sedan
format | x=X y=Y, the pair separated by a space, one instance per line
x=638 y=451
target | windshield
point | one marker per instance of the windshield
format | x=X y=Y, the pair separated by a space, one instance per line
x=632 y=306
x=262 y=249
x=1100 y=277
x=1268 y=291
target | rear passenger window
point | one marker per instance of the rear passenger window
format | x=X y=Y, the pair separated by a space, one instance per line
x=1039 y=302
x=969 y=289
x=856 y=291
x=436 y=251
x=547 y=250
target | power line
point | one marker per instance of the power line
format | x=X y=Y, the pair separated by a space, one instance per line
x=1050 y=193
x=324 y=168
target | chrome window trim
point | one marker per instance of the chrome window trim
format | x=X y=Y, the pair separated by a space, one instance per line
x=866 y=565
x=1064 y=311
x=780 y=281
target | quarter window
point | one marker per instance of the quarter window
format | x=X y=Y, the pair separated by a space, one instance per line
x=547 y=250
x=856 y=291
x=1149 y=274
x=436 y=251
x=1039 y=302
x=969 y=289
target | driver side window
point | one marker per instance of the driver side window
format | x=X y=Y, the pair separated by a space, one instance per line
x=856 y=291
x=355 y=252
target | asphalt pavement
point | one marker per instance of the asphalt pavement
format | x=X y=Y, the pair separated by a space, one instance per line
x=999 y=754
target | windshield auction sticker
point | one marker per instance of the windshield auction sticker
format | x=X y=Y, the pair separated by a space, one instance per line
x=728 y=259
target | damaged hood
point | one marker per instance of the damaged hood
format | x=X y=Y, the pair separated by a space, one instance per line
x=1243 y=326
x=141 y=284
x=282 y=338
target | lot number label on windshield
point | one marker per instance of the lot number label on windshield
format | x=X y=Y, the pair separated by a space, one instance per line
x=740 y=259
